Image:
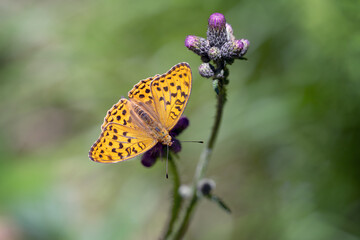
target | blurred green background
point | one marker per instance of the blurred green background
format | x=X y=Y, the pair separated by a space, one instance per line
x=287 y=156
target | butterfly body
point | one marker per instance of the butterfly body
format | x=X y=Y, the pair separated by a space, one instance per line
x=133 y=126
x=153 y=125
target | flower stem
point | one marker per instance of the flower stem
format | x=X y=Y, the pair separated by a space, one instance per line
x=177 y=202
x=205 y=156
x=186 y=221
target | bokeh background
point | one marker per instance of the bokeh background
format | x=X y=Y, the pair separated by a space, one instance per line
x=287 y=157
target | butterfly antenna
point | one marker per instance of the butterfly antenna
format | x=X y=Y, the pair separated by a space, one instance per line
x=167 y=158
x=194 y=141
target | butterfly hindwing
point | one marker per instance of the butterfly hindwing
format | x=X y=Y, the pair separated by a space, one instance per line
x=121 y=139
x=118 y=143
x=170 y=93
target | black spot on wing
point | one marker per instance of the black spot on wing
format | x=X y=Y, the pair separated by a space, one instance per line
x=140 y=145
x=178 y=102
x=128 y=150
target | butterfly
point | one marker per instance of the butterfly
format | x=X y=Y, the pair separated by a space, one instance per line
x=133 y=126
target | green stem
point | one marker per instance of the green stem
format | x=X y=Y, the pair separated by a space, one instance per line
x=204 y=159
x=177 y=202
x=206 y=154
x=186 y=221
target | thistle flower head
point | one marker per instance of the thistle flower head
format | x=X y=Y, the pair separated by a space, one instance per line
x=197 y=44
x=205 y=186
x=180 y=126
x=214 y=53
x=216 y=33
x=220 y=46
x=246 y=45
x=192 y=42
x=217 y=21
x=149 y=158
x=238 y=45
x=206 y=70
x=232 y=49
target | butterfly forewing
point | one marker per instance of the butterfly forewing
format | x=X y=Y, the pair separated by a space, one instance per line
x=119 y=113
x=170 y=93
x=141 y=93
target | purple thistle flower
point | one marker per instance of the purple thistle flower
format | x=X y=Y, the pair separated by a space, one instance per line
x=149 y=158
x=180 y=126
x=176 y=146
x=217 y=21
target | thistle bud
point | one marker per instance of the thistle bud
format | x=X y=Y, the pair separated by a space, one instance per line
x=229 y=33
x=206 y=70
x=216 y=33
x=205 y=186
x=214 y=53
x=246 y=45
x=217 y=21
x=232 y=49
x=198 y=45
